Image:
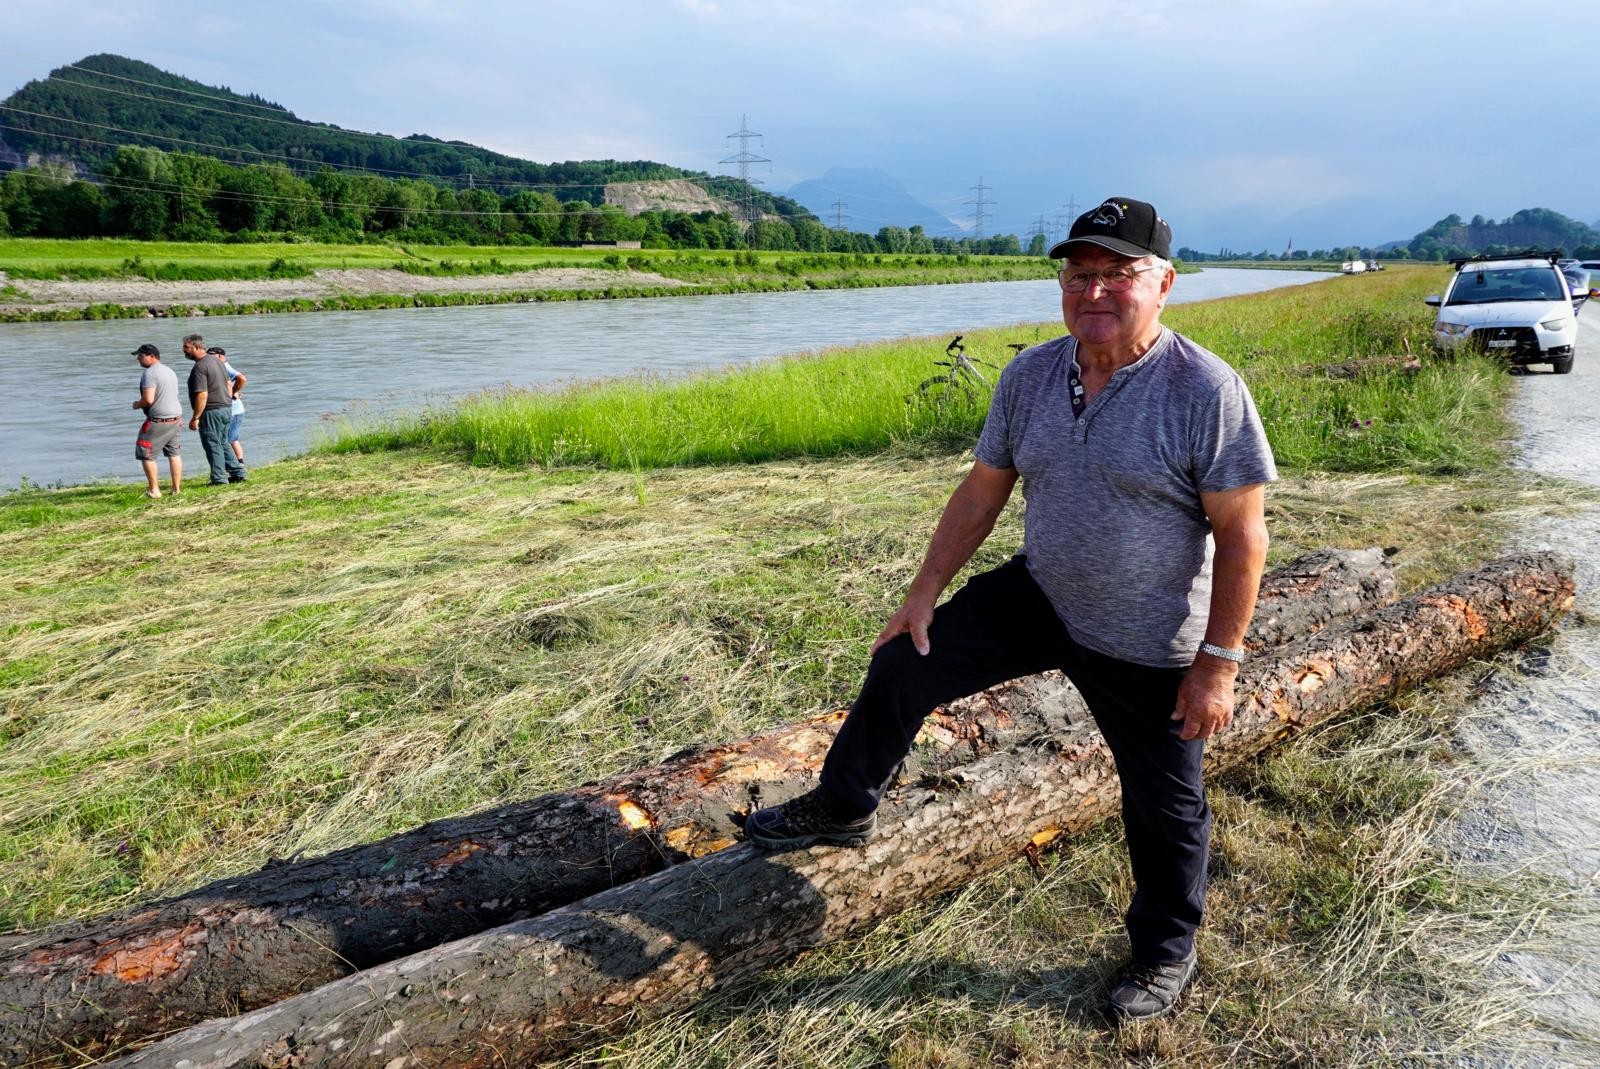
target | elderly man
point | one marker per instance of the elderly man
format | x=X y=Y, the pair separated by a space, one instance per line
x=1143 y=464
x=160 y=434
x=210 y=401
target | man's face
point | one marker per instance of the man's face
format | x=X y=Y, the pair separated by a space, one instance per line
x=1102 y=319
x=193 y=351
x=145 y=359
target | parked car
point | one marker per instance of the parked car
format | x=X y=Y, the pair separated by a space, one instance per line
x=1519 y=308
x=1577 y=282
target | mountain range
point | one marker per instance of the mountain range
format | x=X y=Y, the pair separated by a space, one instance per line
x=81 y=113
x=870 y=199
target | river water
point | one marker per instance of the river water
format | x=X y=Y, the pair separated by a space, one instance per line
x=71 y=385
x=1543 y=720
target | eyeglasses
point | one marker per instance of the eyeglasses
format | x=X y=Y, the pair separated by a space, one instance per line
x=1114 y=280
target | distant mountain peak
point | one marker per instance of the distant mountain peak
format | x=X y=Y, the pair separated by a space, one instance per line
x=873 y=199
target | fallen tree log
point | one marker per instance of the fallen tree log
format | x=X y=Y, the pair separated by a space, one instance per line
x=533 y=988
x=246 y=942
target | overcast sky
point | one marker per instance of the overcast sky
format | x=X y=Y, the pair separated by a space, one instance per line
x=1247 y=123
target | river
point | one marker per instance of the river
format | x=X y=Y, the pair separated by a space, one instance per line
x=308 y=371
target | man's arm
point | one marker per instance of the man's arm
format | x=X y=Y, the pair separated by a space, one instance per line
x=1239 y=527
x=147 y=397
x=968 y=518
x=236 y=384
x=197 y=401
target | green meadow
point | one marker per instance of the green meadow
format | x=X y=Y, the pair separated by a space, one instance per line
x=526 y=591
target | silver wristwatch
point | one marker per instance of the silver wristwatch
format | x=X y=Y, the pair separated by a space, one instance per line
x=1236 y=656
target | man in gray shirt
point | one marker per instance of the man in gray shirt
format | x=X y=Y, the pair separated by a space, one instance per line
x=160 y=434
x=209 y=396
x=1144 y=465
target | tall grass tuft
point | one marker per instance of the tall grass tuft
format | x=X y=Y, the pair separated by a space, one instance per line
x=1444 y=418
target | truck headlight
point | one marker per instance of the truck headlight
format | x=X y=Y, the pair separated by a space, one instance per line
x=1555 y=324
x=1451 y=329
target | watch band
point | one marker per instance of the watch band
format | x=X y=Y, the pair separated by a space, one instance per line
x=1236 y=656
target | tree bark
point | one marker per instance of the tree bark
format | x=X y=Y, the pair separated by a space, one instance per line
x=533 y=988
x=246 y=942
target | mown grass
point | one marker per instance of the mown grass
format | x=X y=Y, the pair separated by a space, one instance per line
x=378 y=639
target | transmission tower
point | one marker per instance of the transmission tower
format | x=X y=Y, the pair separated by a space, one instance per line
x=978 y=204
x=839 y=207
x=744 y=158
x=1039 y=230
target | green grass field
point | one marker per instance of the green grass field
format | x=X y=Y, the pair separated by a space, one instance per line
x=57 y=258
x=394 y=635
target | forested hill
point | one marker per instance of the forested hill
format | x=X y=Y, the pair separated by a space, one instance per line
x=1531 y=228
x=82 y=112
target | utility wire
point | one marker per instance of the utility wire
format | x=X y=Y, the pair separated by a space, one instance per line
x=341 y=168
x=152 y=186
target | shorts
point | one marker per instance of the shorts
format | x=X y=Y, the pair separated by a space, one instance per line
x=158 y=440
x=235 y=422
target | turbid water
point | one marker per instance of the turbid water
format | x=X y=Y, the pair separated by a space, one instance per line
x=70 y=385
x=1542 y=825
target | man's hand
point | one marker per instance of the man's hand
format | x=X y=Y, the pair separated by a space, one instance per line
x=194 y=424
x=1205 y=700
x=912 y=618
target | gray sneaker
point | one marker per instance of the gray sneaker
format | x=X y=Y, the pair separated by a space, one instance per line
x=805 y=820
x=1146 y=991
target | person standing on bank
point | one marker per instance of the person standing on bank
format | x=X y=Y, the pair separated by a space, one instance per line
x=208 y=398
x=162 y=431
x=1144 y=465
x=236 y=384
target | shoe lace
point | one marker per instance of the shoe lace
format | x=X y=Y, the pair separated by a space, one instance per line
x=807 y=813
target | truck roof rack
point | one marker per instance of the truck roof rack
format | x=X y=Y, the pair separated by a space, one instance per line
x=1527 y=254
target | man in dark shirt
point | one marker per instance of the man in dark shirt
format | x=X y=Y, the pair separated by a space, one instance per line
x=209 y=399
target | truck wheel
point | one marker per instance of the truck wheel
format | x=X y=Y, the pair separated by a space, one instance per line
x=1561 y=365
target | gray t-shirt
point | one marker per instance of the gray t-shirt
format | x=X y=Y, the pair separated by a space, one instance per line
x=207 y=375
x=164 y=381
x=1114 y=532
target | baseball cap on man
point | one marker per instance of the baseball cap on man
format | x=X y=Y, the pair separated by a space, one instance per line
x=216 y=350
x=1121 y=224
x=147 y=350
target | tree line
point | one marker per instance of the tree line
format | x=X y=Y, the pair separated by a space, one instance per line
x=149 y=194
x=1531 y=228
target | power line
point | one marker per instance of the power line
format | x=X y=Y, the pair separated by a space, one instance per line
x=308 y=164
x=169 y=89
x=301 y=124
x=144 y=185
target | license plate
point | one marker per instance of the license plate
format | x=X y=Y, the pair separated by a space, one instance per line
x=1502 y=345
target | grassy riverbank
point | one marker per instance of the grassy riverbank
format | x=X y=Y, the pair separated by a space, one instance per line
x=354 y=642
x=58 y=280
x=866 y=398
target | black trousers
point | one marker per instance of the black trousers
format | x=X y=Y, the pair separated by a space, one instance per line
x=1000 y=626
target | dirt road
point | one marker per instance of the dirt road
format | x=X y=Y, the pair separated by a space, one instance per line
x=1543 y=825
x=333 y=282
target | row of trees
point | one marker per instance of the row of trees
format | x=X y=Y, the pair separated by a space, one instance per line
x=1531 y=228
x=149 y=194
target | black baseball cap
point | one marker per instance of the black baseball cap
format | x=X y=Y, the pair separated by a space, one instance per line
x=1121 y=224
x=147 y=350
